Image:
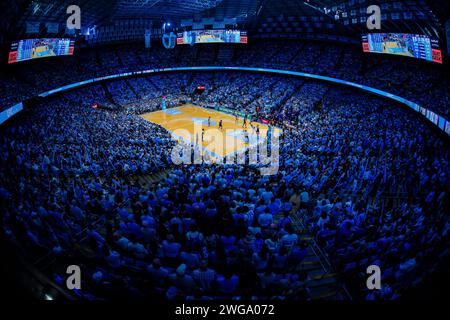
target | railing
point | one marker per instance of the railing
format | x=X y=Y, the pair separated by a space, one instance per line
x=323 y=258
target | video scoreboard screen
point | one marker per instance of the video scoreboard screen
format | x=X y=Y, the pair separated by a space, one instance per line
x=409 y=45
x=212 y=36
x=40 y=48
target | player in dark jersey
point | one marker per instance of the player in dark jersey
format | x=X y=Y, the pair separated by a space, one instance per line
x=220 y=125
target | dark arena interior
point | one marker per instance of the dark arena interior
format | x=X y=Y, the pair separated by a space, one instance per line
x=225 y=150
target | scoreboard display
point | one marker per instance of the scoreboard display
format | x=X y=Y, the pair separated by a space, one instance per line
x=409 y=45
x=212 y=36
x=28 y=49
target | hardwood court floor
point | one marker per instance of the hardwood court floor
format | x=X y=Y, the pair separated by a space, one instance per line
x=186 y=122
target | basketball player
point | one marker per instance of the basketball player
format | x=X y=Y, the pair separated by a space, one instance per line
x=244 y=125
x=203 y=133
x=220 y=125
x=251 y=126
x=246 y=137
x=209 y=121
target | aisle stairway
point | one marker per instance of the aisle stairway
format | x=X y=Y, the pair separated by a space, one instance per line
x=225 y=54
x=324 y=283
x=112 y=103
x=146 y=181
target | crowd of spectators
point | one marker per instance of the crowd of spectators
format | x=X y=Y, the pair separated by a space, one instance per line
x=422 y=82
x=366 y=178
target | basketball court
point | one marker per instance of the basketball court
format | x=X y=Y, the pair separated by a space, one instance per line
x=393 y=47
x=186 y=122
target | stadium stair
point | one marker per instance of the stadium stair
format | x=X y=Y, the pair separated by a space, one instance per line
x=289 y=94
x=109 y=95
x=132 y=89
x=296 y=53
x=138 y=57
x=147 y=181
x=225 y=54
x=205 y=57
x=339 y=60
x=119 y=58
x=190 y=79
x=324 y=283
x=152 y=83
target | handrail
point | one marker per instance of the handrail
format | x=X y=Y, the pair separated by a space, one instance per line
x=323 y=256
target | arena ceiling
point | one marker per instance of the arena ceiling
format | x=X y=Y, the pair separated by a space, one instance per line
x=414 y=16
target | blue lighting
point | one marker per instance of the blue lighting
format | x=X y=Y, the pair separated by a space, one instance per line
x=437 y=120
